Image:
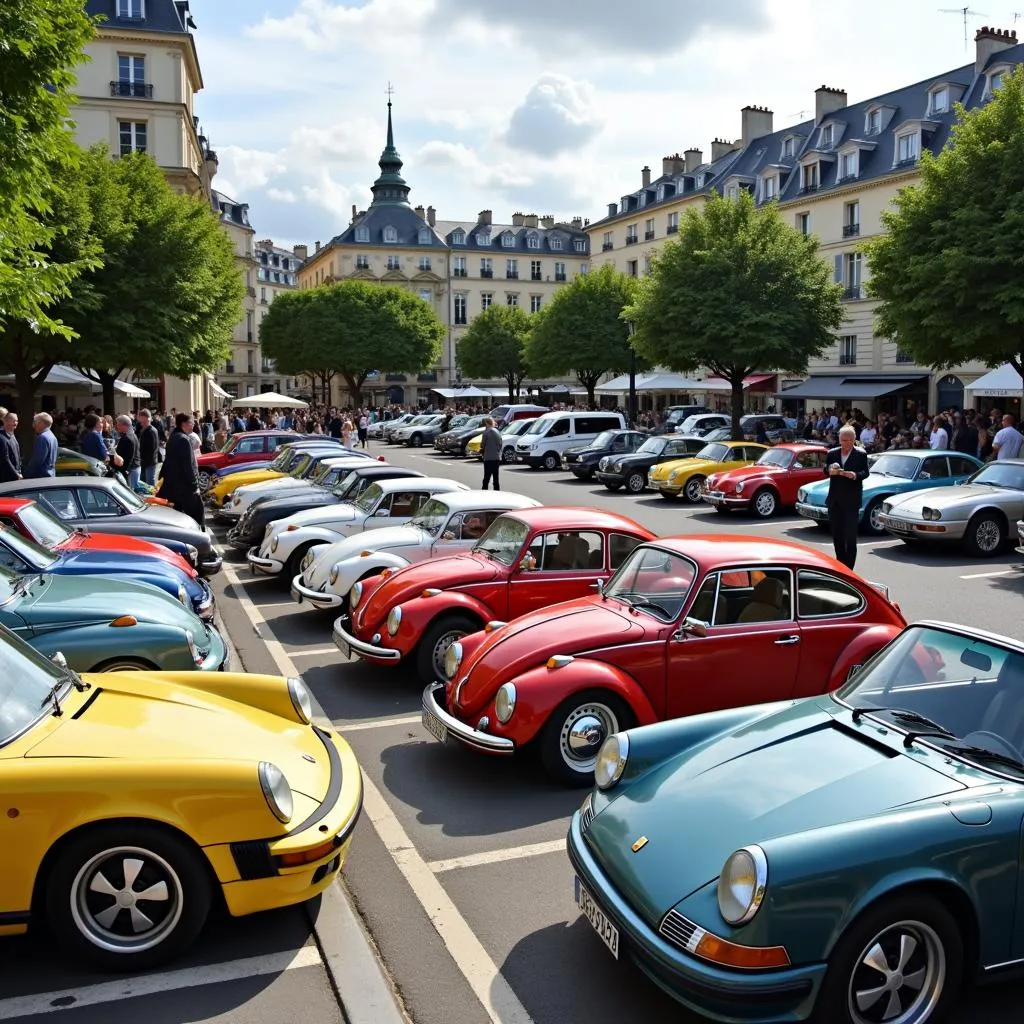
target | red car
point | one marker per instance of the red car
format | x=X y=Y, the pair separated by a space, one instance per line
x=33 y=521
x=687 y=625
x=252 y=446
x=525 y=561
x=770 y=483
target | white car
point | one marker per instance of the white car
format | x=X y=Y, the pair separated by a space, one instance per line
x=384 y=503
x=445 y=525
x=389 y=425
x=416 y=425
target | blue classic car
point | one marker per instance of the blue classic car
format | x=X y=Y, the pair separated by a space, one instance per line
x=864 y=889
x=897 y=472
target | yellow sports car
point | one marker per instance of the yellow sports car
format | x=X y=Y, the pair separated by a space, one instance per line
x=685 y=477
x=134 y=801
x=289 y=461
x=473 y=447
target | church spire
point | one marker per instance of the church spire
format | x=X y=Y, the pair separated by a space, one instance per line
x=390 y=186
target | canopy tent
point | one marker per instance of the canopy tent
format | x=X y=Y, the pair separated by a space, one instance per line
x=216 y=388
x=657 y=381
x=755 y=381
x=126 y=388
x=269 y=400
x=68 y=377
x=1002 y=382
x=850 y=387
x=469 y=391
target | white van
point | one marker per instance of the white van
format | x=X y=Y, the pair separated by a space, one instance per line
x=549 y=435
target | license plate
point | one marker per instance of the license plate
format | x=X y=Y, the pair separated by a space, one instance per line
x=814 y=513
x=715 y=494
x=343 y=646
x=598 y=921
x=898 y=525
x=435 y=727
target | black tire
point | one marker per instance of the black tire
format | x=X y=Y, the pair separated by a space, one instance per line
x=508 y=454
x=614 y=487
x=292 y=566
x=76 y=903
x=985 y=535
x=551 y=461
x=444 y=630
x=869 y=523
x=692 y=489
x=416 y=440
x=205 y=480
x=937 y=954
x=764 y=503
x=554 y=745
x=125 y=665
x=636 y=482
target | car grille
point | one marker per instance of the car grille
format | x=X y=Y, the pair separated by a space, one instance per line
x=586 y=817
x=680 y=931
x=253 y=860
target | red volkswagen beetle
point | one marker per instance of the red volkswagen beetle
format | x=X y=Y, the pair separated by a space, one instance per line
x=525 y=561
x=252 y=446
x=770 y=483
x=687 y=625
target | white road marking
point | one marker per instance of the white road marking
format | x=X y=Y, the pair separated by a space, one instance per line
x=475 y=860
x=380 y=723
x=315 y=652
x=279 y=604
x=157 y=984
x=986 y=575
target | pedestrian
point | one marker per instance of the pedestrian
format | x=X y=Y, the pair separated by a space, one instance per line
x=179 y=482
x=845 y=467
x=1007 y=443
x=364 y=426
x=127 y=449
x=43 y=460
x=490 y=451
x=149 y=447
x=10 y=450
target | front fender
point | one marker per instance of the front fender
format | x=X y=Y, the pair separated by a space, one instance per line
x=859 y=650
x=290 y=540
x=352 y=569
x=89 y=645
x=418 y=613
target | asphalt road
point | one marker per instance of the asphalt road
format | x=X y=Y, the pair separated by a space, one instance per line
x=458 y=865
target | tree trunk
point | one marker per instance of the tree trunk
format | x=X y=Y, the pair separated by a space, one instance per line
x=737 y=406
x=510 y=380
x=106 y=381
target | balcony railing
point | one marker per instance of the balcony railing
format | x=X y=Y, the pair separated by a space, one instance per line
x=852 y=292
x=132 y=90
x=459 y=272
x=648 y=235
x=847 y=358
x=460 y=321
x=849 y=230
x=808 y=189
x=264 y=302
x=672 y=229
x=229 y=367
x=486 y=273
x=536 y=276
x=512 y=275
x=607 y=246
x=559 y=277
x=632 y=239
x=362 y=264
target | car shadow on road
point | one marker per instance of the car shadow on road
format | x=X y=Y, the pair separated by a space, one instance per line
x=357 y=691
x=940 y=555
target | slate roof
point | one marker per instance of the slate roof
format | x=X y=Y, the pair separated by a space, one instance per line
x=229 y=209
x=161 y=15
x=565 y=233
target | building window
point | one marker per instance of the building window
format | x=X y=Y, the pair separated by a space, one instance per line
x=263 y=295
x=809 y=177
x=555 y=243
x=486 y=267
x=458 y=266
x=459 y=237
x=907 y=150
x=482 y=238
x=511 y=299
x=851 y=275
x=648 y=229
x=631 y=268
x=277 y=274
x=873 y=122
x=732 y=191
x=426 y=295
x=771 y=188
x=390 y=234
x=486 y=298
x=424 y=236
x=828 y=133
x=583 y=269
x=131 y=75
x=803 y=223
x=580 y=245
x=259 y=274
x=607 y=242
x=394 y=263
x=851 y=219
x=631 y=235
x=284 y=263
x=559 y=271
x=673 y=224
x=787 y=147
x=133 y=137
x=698 y=182
x=535 y=271
x=508 y=240
x=460 y=308
x=533 y=240
x=362 y=234
x=848 y=166
x=131 y=9
x=424 y=263
x=995 y=80
x=362 y=263
x=940 y=100
x=535 y=303
x=511 y=269
x=848 y=350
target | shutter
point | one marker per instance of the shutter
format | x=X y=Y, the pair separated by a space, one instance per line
x=838 y=278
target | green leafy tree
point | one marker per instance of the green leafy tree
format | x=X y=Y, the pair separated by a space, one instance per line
x=740 y=290
x=581 y=329
x=352 y=328
x=493 y=346
x=948 y=268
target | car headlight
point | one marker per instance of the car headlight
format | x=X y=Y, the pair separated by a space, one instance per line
x=273 y=545
x=355 y=594
x=504 y=702
x=335 y=573
x=886 y=507
x=617 y=467
x=739 y=487
x=301 y=699
x=276 y=790
x=611 y=760
x=183 y=596
x=452 y=660
x=394 y=620
x=931 y=513
x=193 y=553
x=741 y=885
x=190 y=639
x=236 y=500
x=801 y=495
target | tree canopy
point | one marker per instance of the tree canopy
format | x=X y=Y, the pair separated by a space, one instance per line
x=740 y=290
x=581 y=330
x=948 y=267
x=493 y=346
x=353 y=328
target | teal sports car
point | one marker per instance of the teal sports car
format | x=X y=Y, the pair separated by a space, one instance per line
x=853 y=858
x=895 y=472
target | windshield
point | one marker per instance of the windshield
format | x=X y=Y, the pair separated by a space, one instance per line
x=713 y=452
x=473 y=421
x=432 y=516
x=281 y=459
x=26 y=679
x=603 y=439
x=458 y=421
x=126 y=497
x=719 y=434
x=652 y=446
x=654 y=580
x=37 y=556
x=503 y=539
x=1000 y=474
x=538 y=426
x=47 y=529
x=970 y=691
x=676 y=416
x=347 y=482
x=519 y=427
x=301 y=465
x=417 y=420
x=902 y=466
x=776 y=457
x=367 y=501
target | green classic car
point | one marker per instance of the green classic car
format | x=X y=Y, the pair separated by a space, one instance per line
x=108 y=624
x=72 y=463
x=853 y=858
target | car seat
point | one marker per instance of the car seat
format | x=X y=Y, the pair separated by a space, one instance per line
x=1005 y=714
x=765 y=604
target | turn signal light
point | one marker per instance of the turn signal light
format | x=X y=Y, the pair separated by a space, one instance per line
x=295 y=860
x=721 y=951
x=430 y=592
x=290 y=527
x=386 y=573
x=125 y=620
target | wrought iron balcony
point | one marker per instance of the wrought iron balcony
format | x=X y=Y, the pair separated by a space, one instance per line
x=133 y=90
x=536 y=276
x=852 y=292
x=459 y=272
x=512 y=275
x=486 y=273
x=849 y=230
x=607 y=245
x=847 y=358
x=648 y=235
x=672 y=229
x=632 y=239
x=808 y=189
x=559 y=277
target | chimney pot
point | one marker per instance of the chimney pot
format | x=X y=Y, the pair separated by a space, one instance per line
x=989 y=41
x=721 y=148
x=828 y=100
x=484 y=217
x=645 y=176
x=547 y=221
x=531 y=220
x=301 y=252
x=693 y=159
x=673 y=164
x=756 y=122
x=613 y=209
x=431 y=216
x=317 y=246
x=517 y=220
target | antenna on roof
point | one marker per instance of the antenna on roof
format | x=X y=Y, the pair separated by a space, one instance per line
x=800 y=114
x=965 y=13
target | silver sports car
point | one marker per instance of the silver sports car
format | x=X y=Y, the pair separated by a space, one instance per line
x=982 y=513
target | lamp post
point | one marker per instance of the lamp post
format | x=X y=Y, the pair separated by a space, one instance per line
x=631 y=328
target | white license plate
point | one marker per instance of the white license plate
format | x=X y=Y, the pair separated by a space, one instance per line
x=898 y=525
x=435 y=727
x=715 y=494
x=595 y=915
x=343 y=646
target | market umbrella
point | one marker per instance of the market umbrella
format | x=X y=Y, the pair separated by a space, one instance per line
x=269 y=400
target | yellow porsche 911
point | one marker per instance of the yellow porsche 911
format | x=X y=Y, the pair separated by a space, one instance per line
x=685 y=477
x=474 y=447
x=132 y=801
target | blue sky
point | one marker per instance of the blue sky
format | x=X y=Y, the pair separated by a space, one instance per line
x=549 y=108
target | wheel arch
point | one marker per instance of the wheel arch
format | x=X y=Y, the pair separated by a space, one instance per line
x=993 y=510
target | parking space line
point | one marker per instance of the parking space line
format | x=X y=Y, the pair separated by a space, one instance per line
x=156 y=984
x=986 y=575
x=381 y=723
x=475 y=860
x=315 y=652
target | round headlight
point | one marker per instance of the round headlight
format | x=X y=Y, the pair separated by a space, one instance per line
x=301 y=699
x=273 y=545
x=237 y=500
x=505 y=702
x=183 y=596
x=741 y=885
x=453 y=659
x=801 y=495
x=190 y=639
x=611 y=760
x=739 y=487
x=335 y=573
x=355 y=594
x=277 y=791
x=192 y=552
x=394 y=620
x=931 y=513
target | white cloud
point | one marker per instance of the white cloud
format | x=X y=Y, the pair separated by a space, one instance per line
x=282 y=195
x=471 y=167
x=558 y=114
x=250 y=168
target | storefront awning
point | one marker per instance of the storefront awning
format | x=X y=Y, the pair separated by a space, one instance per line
x=467 y=392
x=752 y=382
x=1002 y=382
x=656 y=381
x=131 y=390
x=853 y=387
x=216 y=388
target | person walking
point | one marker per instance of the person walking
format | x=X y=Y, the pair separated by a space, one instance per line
x=1008 y=442
x=490 y=450
x=10 y=450
x=364 y=426
x=179 y=482
x=149 y=447
x=846 y=467
x=127 y=449
x=43 y=460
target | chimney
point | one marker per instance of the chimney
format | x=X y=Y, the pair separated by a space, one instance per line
x=317 y=246
x=420 y=212
x=645 y=177
x=353 y=220
x=827 y=101
x=720 y=148
x=431 y=216
x=301 y=252
x=577 y=222
x=672 y=164
x=756 y=121
x=484 y=217
x=693 y=159
x=988 y=41
x=517 y=220
x=547 y=221
x=531 y=220
x=613 y=209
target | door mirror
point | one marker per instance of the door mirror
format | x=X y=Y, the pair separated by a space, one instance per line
x=528 y=563
x=383 y=512
x=59 y=660
x=692 y=628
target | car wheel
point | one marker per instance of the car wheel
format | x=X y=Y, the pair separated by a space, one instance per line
x=508 y=454
x=416 y=440
x=614 y=487
x=436 y=640
x=871 y=522
x=125 y=665
x=572 y=736
x=692 y=489
x=551 y=461
x=297 y=561
x=127 y=897
x=902 y=960
x=205 y=480
x=984 y=535
x=765 y=503
x=636 y=482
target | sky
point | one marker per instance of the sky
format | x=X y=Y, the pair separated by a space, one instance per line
x=538 y=106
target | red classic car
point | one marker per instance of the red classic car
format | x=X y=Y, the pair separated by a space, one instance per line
x=687 y=625
x=525 y=561
x=252 y=446
x=770 y=483
x=37 y=523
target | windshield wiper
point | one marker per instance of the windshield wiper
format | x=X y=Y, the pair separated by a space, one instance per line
x=984 y=754
x=53 y=697
x=906 y=715
x=641 y=601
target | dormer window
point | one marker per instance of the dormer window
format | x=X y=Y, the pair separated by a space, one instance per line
x=787 y=148
x=698 y=182
x=732 y=191
x=827 y=137
x=580 y=245
x=134 y=9
x=996 y=77
x=643 y=198
x=873 y=122
x=508 y=240
x=809 y=179
x=390 y=234
x=424 y=236
x=533 y=240
x=908 y=147
x=483 y=238
x=940 y=100
x=362 y=234
x=555 y=243
x=459 y=237
x=848 y=165
x=769 y=187
x=660 y=194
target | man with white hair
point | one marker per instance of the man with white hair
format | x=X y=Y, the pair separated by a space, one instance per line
x=127 y=448
x=43 y=461
x=845 y=467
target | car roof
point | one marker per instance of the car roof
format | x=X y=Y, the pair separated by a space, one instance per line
x=351 y=460
x=14 y=504
x=574 y=517
x=386 y=472
x=801 y=446
x=48 y=482
x=463 y=501
x=579 y=412
x=716 y=549
x=420 y=482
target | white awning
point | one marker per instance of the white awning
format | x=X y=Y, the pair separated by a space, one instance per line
x=1002 y=382
x=269 y=400
x=131 y=390
x=467 y=392
x=216 y=388
x=657 y=381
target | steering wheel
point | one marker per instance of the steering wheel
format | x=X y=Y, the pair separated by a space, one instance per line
x=992 y=741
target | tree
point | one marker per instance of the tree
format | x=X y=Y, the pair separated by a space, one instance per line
x=581 y=330
x=353 y=328
x=493 y=346
x=739 y=291
x=948 y=267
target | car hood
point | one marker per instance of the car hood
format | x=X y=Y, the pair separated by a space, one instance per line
x=401 y=540
x=320 y=516
x=666 y=469
x=128 y=547
x=743 y=473
x=251 y=476
x=151 y=515
x=87 y=560
x=293 y=501
x=948 y=498
x=816 y=493
x=751 y=786
x=254 y=489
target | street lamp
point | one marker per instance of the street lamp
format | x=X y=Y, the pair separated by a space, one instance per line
x=631 y=329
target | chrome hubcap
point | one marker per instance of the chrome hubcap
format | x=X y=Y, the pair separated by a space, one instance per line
x=635 y=483
x=204 y=481
x=899 y=976
x=583 y=732
x=987 y=535
x=873 y=519
x=441 y=649
x=508 y=455
x=765 y=504
x=126 y=900
x=693 y=490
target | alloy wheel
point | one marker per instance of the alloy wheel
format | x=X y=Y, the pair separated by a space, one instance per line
x=765 y=504
x=635 y=483
x=205 y=480
x=508 y=454
x=692 y=490
x=988 y=536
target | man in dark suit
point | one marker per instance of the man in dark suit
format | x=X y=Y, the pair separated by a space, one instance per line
x=846 y=467
x=43 y=460
x=179 y=482
x=10 y=450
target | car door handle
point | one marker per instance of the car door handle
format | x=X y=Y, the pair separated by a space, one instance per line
x=786 y=641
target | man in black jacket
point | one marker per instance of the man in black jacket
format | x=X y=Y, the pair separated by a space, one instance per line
x=179 y=482
x=127 y=448
x=10 y=450
x=846 y=467
x=149 y=447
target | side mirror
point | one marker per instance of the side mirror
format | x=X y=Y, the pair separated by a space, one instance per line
x=383 y=512
x=598 y=586
x=692 y=627
x=528 y=563
x=59 y=660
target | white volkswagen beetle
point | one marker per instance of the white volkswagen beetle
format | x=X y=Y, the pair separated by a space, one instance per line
x=384 y=503
x=446 y=524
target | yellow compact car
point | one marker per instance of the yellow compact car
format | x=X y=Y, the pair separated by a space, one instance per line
x=474 y=446
x=133 y=801
x=289 y=461
x=685 y=477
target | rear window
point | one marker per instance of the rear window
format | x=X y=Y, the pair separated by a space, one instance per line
x=595 y=424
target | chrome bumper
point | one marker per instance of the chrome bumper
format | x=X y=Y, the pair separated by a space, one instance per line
x=318 y=598
x=459 y=730
x=349 y=645
x=713 y=498
x=260 y=563
x=819 y=513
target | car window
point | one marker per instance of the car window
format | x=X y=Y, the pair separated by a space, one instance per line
x=567 y=550
x=621 y=443
x=752 y=454
x=619 y=546
x=469 y=525
x=250 y=445
x=937 y=466
x=744 y=596
x=819 y=595
x=559 y=428
x=810 y=460
x=737 y=455
x=677 y=448
x=653 y=580
x=98 y=504
x=405 y=503
x=960 y=466
x=10 y=560
x=273 y=443
x=59 y=500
